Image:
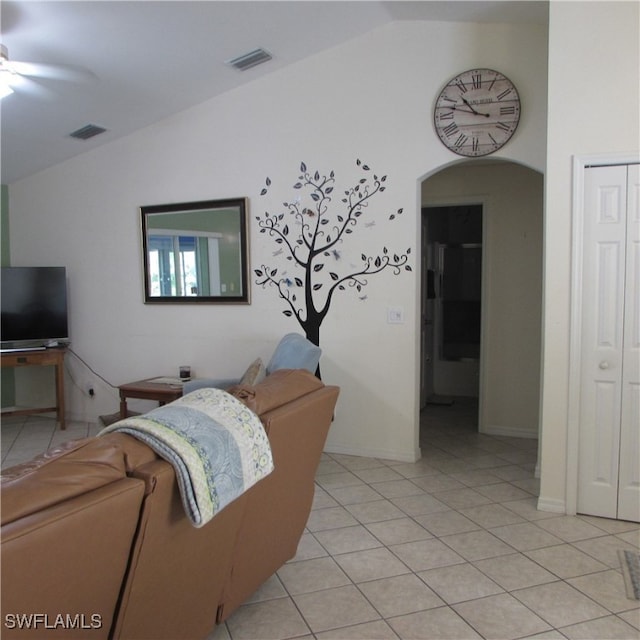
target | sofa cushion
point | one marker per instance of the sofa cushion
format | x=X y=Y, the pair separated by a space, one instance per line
x=278 y=388
x=61 y=473
x=255 y=373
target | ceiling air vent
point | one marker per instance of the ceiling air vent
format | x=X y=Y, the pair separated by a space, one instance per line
x=88 y=131
x=251 y=59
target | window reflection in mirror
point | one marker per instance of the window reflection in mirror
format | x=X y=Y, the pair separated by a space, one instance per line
x=196 y=252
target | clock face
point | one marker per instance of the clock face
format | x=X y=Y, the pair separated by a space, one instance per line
x=477 y=112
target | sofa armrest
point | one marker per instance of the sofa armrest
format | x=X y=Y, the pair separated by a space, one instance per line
x=60 y=474
x=278 y=388
x=205 y=383
x=70 y=558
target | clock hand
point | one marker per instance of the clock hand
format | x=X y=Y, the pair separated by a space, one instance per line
x=468 y=105
x=463 y=110
x=486 y=115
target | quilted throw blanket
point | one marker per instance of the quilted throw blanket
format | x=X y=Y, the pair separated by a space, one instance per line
x=217 y=446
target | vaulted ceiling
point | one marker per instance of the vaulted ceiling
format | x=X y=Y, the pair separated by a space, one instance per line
x=131 y=63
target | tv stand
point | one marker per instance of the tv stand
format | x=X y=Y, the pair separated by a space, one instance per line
x=39 y=357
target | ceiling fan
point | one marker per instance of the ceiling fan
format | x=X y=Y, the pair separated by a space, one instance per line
x=17 y=75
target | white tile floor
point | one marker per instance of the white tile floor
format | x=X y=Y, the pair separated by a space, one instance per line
x=449 y=547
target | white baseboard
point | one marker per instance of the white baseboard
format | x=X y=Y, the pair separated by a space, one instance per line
x=551 y=505
x=74 y=416
x=511 y=432
x=381 y=454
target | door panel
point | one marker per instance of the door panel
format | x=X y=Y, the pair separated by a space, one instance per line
x=602 y=333
x=629 y=474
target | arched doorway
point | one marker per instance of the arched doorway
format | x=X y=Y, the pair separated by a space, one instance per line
x=507 y=365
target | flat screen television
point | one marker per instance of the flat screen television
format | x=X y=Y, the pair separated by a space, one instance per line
x=33 y=306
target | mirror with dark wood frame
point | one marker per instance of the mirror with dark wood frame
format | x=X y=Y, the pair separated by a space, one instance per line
x=195 y=252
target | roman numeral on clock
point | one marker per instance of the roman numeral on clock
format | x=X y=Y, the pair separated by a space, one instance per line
x=450 y=129
x=460 y=140
x=507 y=111
x=476 y=80
x=461 y=85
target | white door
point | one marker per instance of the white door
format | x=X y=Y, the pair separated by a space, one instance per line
x=629 y=474
x=609 y=455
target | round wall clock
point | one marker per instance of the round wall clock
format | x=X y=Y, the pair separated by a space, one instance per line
x=477 y=112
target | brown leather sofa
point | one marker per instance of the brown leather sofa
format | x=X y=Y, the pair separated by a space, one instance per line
x=96 y=543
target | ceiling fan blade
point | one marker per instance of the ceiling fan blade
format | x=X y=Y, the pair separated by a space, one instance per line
x=50 y=71
x=25 y=85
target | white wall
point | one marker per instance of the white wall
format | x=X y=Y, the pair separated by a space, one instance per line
x=512 y=198
x=594 y=66
x=369 y=99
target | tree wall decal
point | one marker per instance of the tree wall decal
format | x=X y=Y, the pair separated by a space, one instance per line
x=313 y=239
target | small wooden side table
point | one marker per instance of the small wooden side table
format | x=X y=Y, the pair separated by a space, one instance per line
x=148 y=390
x=40 y=358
